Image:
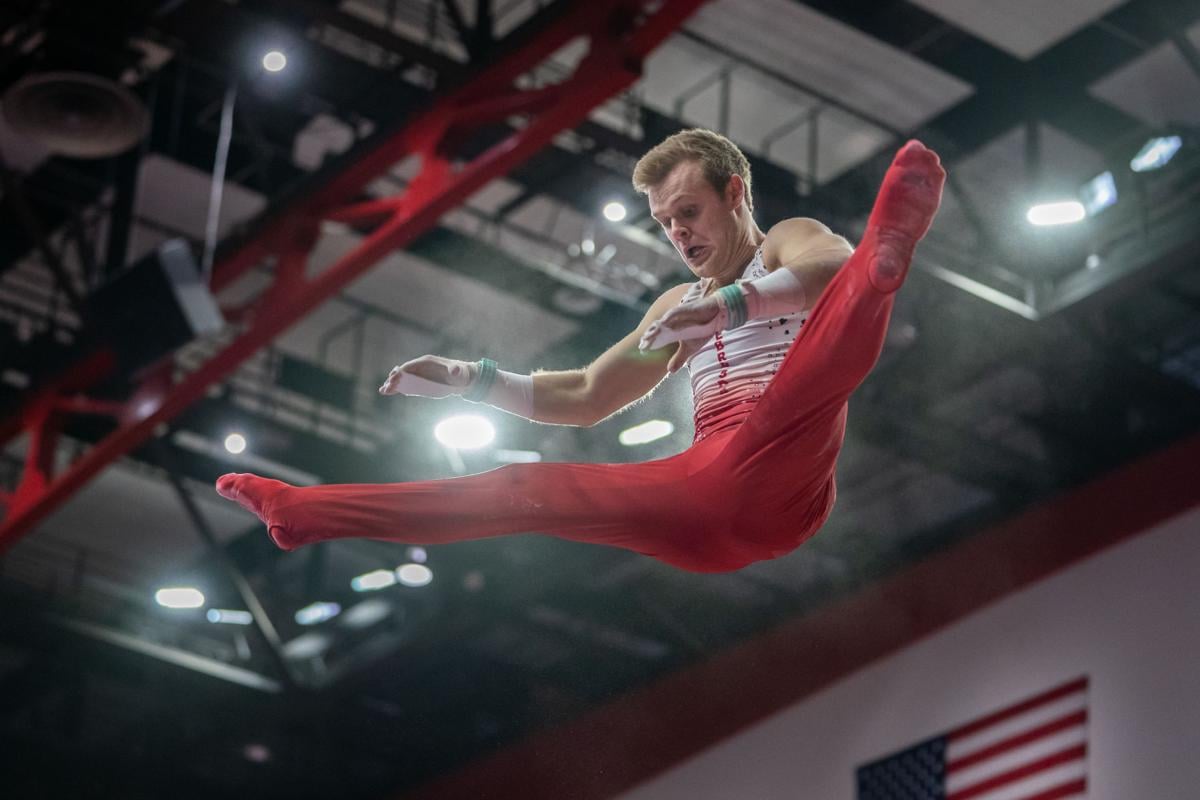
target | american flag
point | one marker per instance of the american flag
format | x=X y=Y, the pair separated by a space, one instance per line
x=1035 y=749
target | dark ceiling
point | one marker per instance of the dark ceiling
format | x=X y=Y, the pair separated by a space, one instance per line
x=974 y=414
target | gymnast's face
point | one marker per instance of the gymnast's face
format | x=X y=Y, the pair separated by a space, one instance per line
x=708 y=228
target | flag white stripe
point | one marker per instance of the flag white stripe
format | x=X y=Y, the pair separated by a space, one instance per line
x=1040 y=782
x=965 y=746
x=959 y=779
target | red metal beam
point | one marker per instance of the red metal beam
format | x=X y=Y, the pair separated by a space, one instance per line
x=620 y=32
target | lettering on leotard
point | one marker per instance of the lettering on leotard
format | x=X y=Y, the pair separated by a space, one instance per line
x=722 y=383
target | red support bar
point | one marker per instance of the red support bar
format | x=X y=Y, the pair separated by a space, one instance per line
x=493 y=109
x=621 y=33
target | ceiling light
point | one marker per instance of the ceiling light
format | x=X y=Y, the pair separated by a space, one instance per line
x=274 y=61
x=614 y=211
x=235 y=443
x=465 y=432
x=365 y=614
x=257 y=753
x=227 y=616
x=414 y=575
x=307 y=645
x=317 y=612
x=376 y=579
x=179 y=597
x=418 y=555
x=517 y=456
x=1156 y=153
x=646 y=432
x=1060 y=213
x=1099 y=193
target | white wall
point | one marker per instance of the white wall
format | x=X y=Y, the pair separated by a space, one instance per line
x=1128 y=618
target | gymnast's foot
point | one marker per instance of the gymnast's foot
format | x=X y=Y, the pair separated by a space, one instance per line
x=259 y=496
x=904 y=210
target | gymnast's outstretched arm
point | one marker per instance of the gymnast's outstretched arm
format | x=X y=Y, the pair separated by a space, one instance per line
x=622 y=375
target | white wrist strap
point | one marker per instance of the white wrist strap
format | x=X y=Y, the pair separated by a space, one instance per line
x=512 y=393
x=775 y=294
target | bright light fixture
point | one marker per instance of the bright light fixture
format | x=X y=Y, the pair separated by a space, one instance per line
x=1156 y=153
x=465 y=432
x=376 y=579
x=367 y=613
x=317 y=612
x=646 y=432
x=307 y=645
x=518 y=456
x=1060 y=213
x=179 y=597
x=235 y=443
x=274 y=61
x=1099 y=193
x=414 y=574
x=227 y=616
x=614 y=211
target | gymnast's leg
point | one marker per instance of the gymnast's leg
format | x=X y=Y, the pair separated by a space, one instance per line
x=656 y=508
x=795 y=432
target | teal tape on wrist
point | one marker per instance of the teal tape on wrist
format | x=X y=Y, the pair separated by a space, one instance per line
x=735 y=304
x=483 y=383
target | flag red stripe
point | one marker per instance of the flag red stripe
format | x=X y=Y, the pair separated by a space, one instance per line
x=1054 y=726
x=1066 y=790
x=1020 y=708
x=1032 y=768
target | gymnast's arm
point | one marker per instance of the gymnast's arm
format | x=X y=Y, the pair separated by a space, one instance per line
x=622 y=375
x=811 y=252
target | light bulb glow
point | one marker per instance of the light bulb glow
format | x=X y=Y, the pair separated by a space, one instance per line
x=1156 y=153
x=317 y=612
x=1099 y=193
x=235 y=443
x=465 y=432
x=414 y=574
x=376 y=579
x=1060 y=213
x=226 y=616
x=274 y=61
x=179 y=597
x=614 y=211
x=646 y=432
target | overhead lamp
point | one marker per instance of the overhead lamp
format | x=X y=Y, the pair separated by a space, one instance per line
x=646 y=432
x=376 y=579
x=465 y=432
x=235 y=443
x=1062 y=212
x=226 y=616
x=274 y=61
x=414 y=574
x=614 y=211
x=1156 y=153
x=1099 y=193
x=317 y=612
x=179 y=597
x=517 y=456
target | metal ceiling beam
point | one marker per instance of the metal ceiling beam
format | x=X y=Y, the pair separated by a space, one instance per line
x=1053 y=85
x=621 y=34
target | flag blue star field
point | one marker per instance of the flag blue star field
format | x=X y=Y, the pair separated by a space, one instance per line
x=1034 y=749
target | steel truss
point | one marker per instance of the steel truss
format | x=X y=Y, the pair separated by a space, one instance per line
x=620 y=33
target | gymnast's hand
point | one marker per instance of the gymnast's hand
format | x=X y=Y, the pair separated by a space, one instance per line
x=691 y=324
x=430 y=376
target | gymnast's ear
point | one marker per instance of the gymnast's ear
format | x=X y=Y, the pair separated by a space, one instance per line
x=735 y=191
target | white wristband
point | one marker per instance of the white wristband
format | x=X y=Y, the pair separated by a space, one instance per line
x=512 y=393
x=775 y=294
